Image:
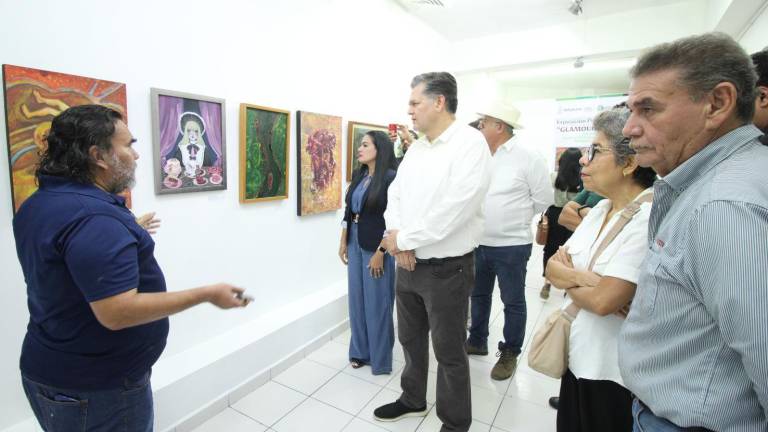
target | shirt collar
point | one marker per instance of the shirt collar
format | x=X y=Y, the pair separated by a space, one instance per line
x=445 y=136
x=67 y=185
x=710 y=156
x=509 y=144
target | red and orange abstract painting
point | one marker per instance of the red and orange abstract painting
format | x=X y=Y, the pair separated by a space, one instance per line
x=319 y=163
x=33 y=98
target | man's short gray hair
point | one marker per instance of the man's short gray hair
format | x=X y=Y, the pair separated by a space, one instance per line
x=704 y=61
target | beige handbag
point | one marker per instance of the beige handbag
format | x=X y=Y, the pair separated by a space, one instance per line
x=549 y=348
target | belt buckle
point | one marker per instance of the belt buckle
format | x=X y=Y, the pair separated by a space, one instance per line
x=356 y=218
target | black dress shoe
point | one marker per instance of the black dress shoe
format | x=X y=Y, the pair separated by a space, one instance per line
x=554 y=402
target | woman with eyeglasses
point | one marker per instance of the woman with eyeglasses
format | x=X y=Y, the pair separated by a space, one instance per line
x=370 y=271
x=599 y=267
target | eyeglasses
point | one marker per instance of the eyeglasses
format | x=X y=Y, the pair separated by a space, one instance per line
x=594 y=149
x=591 y=152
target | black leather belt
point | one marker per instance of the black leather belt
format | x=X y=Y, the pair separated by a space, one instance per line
x=440 y=261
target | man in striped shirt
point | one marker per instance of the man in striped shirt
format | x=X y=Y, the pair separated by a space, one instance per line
x=694 y=348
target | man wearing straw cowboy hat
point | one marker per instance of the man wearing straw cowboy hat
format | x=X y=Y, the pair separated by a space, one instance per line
x=520 y=188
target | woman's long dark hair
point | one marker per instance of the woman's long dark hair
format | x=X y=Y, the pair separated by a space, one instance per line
x=385 y=161
x=569 y=171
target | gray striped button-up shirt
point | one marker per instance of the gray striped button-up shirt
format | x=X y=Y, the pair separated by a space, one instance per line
x=694 y=347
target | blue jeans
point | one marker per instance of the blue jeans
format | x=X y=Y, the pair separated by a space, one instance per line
x=124 y=409
x=646 y=421
x=509 y=264
x=371 y=302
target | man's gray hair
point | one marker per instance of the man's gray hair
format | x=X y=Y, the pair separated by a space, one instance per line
x=610 y=123
x=439 y=84
x=704 y=61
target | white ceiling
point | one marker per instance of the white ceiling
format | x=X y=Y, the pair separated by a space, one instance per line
x=526 y=48
x=468 y=19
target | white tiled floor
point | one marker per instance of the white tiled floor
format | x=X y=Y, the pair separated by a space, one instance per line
x=322 y=393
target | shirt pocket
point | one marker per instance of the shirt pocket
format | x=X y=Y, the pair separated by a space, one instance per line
x=648 y=284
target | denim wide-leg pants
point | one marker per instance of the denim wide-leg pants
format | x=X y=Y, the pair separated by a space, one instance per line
x=371 y=301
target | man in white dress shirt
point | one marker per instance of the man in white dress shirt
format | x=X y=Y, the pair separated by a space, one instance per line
x=520 y=188
x=434 y=222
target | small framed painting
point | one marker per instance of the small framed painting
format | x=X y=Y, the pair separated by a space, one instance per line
x=319 y=162
x=263 y=153
x=189 y=136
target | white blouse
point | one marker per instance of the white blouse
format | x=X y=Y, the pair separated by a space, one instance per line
x=593 y=352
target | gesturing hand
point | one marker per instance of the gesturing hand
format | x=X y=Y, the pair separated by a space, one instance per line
x=227 y=296
x=149 y=222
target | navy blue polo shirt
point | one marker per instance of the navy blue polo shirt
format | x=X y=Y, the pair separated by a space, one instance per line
x=78 y=244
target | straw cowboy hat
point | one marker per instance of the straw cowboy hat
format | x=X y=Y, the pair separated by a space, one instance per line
x=506 y=113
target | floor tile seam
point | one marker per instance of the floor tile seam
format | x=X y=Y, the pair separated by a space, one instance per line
x=347 y=373
x=314 y=391
x=323 y=364
x=292 y=409
x=338 y=408
x=249 y=417
x=319 y=401
x=361 y=409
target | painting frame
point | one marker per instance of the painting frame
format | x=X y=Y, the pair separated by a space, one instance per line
x=318 y=191
x=161 y=188
x=32 y=98
x=352 y=128
x=243 y=174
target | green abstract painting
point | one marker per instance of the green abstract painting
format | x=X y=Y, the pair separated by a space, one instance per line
x=263 y=153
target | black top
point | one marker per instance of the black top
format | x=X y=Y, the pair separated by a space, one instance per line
x=370 y=225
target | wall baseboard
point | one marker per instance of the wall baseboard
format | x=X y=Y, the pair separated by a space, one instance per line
x=191 y=400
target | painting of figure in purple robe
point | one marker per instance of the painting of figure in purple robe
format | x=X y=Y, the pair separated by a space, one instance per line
x=189 y=137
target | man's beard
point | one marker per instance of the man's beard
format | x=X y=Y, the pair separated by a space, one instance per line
x=124 y=175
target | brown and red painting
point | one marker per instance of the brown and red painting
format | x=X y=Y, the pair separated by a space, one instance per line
x=319 y=163
x=33 y=98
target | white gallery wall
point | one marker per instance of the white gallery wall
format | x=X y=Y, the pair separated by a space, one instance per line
x=351 y=58
x=348 y=58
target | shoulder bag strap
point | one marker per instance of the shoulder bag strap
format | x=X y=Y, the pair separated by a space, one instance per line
x=626 y=215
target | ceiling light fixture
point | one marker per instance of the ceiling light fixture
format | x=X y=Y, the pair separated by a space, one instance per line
x=575 y=7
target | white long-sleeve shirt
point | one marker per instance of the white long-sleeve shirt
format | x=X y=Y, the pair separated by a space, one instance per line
x=520 y=188
x=436 y=199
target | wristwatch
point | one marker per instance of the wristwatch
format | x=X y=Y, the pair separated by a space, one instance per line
x=382 y=250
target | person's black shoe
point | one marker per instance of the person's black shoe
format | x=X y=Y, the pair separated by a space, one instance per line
x=554 y=402
x=396 y=411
